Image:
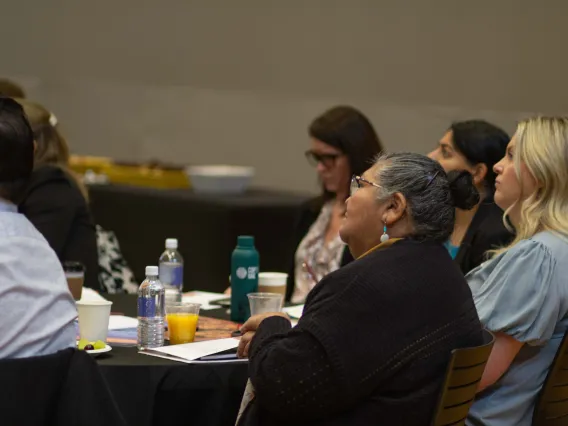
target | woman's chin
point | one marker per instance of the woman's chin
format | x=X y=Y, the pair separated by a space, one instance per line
x=343 y=233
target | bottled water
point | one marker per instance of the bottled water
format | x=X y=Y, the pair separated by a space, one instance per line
x=151 y=310
x=171 y=270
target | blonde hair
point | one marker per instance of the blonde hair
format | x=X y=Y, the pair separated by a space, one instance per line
x=542 y=146
x=11 y=89
x=52 y=148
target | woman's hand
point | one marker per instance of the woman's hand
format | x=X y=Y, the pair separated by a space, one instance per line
x=249 y=328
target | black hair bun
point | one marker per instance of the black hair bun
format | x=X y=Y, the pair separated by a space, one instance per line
x=463 y=190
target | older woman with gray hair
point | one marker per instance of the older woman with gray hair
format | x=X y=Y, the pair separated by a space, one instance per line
x=376 y=335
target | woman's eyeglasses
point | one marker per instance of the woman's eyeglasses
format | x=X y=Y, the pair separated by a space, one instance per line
x=328 y=160
x=356 y=184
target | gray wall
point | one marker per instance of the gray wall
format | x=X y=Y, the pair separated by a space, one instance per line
x=238 y=81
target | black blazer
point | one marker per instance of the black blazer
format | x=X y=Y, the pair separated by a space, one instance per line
x=486 y=232
x=56 y=207
x=307 y=215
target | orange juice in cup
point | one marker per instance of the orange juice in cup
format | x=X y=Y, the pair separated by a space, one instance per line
x=182 y=322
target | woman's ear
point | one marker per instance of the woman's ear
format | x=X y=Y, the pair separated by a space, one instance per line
x=395 y=209
x=479 y=172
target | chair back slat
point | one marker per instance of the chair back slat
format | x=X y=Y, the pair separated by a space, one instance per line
x=551 y=408
x=460 y=385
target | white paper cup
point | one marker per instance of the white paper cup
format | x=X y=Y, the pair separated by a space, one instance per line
x=93 y=319
x=272 y=282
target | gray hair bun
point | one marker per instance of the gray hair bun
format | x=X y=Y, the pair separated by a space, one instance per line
x=464 y=193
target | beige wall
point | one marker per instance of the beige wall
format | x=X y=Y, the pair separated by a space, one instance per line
x=238 y=81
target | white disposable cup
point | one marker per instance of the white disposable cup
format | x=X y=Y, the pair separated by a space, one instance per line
x=272 y=282
x=93 y=319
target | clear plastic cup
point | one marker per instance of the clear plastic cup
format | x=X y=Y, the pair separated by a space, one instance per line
x=262 y=303
x=182 y=321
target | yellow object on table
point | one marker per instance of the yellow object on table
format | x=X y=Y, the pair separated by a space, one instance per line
x=182 y=327
x=147 y=175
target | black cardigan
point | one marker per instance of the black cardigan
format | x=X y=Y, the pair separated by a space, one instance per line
x=307 y=215
x=486 y=232
x=56 y=207
x=372 y=346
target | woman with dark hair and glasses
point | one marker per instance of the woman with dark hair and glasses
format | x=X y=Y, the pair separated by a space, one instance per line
x=374 y=341
x=475 y=146
x=343 y=142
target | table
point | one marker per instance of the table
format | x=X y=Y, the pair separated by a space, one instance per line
x=156 y=391
x=206 y=226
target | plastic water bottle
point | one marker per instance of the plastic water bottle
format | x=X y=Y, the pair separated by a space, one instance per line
x=171 y=270
x=151 y=310
x=244 y=277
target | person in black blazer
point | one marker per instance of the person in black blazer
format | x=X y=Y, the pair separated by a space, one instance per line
x=475 y=146
x=56 y=201
x=343 y=142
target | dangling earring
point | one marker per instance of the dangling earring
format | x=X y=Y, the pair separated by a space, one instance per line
x=385 y=237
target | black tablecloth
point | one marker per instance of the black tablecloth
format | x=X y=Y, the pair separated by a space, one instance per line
x=156 y=391
x=206 y=226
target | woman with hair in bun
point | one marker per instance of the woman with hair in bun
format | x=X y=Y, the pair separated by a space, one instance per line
x=56 y=200
x=376 y=335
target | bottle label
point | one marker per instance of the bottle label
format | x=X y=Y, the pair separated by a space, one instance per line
x=147 y=307
x=172 y=274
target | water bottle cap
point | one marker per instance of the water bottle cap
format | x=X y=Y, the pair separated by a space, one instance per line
x=152 y=271
x=245 y=241
x=172 y=243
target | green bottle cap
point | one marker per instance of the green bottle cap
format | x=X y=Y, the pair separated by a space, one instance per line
x=245 y=241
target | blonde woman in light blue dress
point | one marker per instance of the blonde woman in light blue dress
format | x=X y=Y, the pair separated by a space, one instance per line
x=521 y=294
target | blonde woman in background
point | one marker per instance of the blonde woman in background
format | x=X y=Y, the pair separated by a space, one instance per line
x=56 y=201
x=521 y=294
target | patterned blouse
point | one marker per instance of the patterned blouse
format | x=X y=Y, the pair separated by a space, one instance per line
x=314 y=257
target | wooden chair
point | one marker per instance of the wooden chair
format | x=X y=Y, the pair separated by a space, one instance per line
x=551 y=407
x=462 y=379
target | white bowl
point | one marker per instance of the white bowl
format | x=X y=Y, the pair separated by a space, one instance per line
x=219 y=178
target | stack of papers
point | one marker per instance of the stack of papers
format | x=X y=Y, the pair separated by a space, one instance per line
x=204 y=298
x=120 y=322
x=191 y=352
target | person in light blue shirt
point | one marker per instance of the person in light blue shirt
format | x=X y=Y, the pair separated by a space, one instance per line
x=521 y=294
x=36 y=307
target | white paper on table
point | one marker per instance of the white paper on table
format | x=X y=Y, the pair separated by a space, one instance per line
x=204 y=298
x=120 y=322
x=294 y=311
x=90 y=295
x=190 y=352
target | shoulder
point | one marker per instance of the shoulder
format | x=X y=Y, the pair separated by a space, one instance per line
x=17 y=227
x=48 y=174
x=405 y=261
x=529 y=258
x=312 y=206
x=52 y=185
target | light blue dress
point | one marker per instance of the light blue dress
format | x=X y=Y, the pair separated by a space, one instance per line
x=523 y=293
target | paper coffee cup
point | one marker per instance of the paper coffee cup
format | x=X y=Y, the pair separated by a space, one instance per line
x=75 y=275
x=93 y=319
x=272 y=282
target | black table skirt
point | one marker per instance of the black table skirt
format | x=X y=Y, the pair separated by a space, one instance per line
x=156 y=391
x=206 y=226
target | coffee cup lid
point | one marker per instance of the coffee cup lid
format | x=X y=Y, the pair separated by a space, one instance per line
x=72 y=266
